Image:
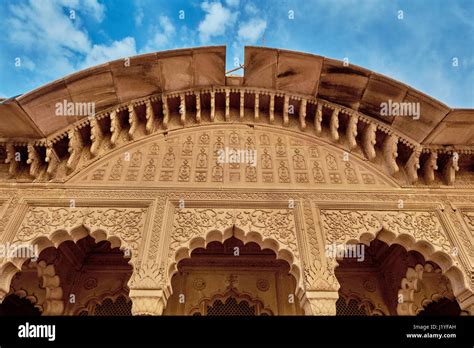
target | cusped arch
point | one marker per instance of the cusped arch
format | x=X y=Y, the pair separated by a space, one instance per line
x=185 y=249
x=13 y=265
x=418 y=231
x=413 y=283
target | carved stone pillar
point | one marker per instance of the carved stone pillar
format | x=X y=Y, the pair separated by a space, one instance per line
x=320 y=302
x=321 y=289
x=148 y=290
x=147 y=301
x=466 y=302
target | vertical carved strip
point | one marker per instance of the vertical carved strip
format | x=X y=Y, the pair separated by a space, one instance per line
x=242 y=104
x=286 y=120
x=166 y=114
x=132 y=120
x=257 y=106
x=369 y=140
x=115 y=127
x=182 y=109
x=412 y=165
x=96 y=136
x=390 y=150
x=150 y=117
x=227 y=105
x=351 y=131
x=272 y=108
x=429 y=167
x=213 y=106
x=33 y=160
x=198 y=107
x=318 y=119
x=303 y=113
x=334 y=124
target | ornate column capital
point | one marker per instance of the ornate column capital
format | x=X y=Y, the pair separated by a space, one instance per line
x=147 y=289
x=147 y=301
x=319 y=302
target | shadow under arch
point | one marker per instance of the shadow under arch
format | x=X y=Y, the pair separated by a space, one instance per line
x=184 y=251
x=425 y=249
x=13 y=265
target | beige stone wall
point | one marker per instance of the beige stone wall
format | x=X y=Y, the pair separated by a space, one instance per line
x=160 y=208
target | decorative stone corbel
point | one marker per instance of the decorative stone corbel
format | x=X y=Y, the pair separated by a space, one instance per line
x=148 y=289
x=257 y=106
x=96 y=136
x=182 y=109
x=242 y=104
x=213 y=106
x=166 y=114
x=115 y=127
x=286 y=105
x=318 y=119
x=198 y=106
x=132 y=120
x=450 y=168
x=351 y=131
x=319 y=302
x=390 y=151
x=412 y=165
x=150 y=117
x=429 y=167
x=334 y=124
x=227 y=105
x=52 y=159
x=272 y=108
x=303 y=113
x=11 y=154
x=33 y=160
x=369 y=140
x=74 y=148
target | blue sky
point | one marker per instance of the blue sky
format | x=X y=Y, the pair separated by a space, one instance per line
x=421 y=49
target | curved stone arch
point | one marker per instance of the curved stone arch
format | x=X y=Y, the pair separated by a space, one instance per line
x=48 y=235
x=365 y=226
x=412 y=283
x=184 y=250
x=96 y=300
x=228 y=293
x=363 y=301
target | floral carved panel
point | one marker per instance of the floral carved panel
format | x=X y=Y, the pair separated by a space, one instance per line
x=125 y=223
x=341 y=226
x=278 y=224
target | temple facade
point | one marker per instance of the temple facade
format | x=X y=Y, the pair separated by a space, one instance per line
x=159 y=185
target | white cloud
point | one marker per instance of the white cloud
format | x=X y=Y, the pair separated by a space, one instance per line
x=250 y=9
x=102 y=53
x=218 y=18
x=139 y=16
x=161 y=36
x=53 y=44
x=249 y=32
x=232 y=3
